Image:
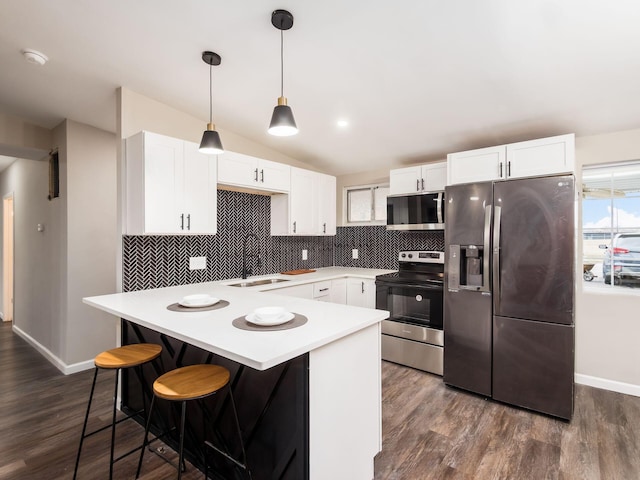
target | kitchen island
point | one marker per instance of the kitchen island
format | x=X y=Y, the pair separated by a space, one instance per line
x=308 y=398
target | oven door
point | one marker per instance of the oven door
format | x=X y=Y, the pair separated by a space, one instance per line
x=412 y=304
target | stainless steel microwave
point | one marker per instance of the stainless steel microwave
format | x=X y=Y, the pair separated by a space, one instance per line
x=423 y=211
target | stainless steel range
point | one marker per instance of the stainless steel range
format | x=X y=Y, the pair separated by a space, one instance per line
x=413 y=335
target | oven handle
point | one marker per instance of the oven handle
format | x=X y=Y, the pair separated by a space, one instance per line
x=430 y=288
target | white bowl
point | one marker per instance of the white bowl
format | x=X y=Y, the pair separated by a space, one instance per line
x=269 y=313
x=198 y=300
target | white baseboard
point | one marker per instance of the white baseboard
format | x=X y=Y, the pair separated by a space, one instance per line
x=606 y=384
x=46 y=353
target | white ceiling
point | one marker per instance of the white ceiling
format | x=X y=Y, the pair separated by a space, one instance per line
x=416 y=78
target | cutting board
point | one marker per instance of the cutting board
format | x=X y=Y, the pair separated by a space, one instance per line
x=298 y=272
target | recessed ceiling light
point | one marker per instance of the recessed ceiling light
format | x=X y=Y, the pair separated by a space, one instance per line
x=35 y=57
x=342 y=123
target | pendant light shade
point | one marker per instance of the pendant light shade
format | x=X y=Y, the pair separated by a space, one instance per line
x=282 y=122
x=211 y=144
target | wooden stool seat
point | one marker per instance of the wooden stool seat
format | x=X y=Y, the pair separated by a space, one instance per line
x=128 y=356
x=190 y=383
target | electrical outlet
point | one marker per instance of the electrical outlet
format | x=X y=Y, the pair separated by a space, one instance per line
x=305 y=254
x=197 y=263
x=354 y=253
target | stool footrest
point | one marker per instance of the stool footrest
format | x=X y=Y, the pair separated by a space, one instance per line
x=225 y=455
x=117 y=422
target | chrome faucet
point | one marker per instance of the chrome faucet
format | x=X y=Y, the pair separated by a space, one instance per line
x=246 y=270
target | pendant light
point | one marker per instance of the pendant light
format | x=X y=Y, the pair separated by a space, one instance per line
x=211 y=144
x=282 y=121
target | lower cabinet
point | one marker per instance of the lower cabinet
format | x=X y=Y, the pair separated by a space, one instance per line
x=346 y=291
x=361 y=292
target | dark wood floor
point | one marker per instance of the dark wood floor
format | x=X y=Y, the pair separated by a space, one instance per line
x=429 y=431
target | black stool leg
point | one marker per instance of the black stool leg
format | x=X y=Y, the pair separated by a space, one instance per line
x=113 y=424
x=235 y=416
x=84 y=426
x=146 y=436
x=182 y=421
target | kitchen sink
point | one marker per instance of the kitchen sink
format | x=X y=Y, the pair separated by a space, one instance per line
x=255 y=283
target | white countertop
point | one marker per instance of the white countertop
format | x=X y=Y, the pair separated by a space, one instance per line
x=213 y=331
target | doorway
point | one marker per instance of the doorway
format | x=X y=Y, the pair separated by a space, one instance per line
x=7 y=258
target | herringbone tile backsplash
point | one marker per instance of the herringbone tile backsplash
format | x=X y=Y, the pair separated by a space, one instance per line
x=153 y=261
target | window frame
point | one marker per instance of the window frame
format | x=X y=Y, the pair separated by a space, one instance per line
x=345 y=204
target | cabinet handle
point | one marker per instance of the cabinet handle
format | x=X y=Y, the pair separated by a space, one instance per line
x=182 y=221
x=324 y=289
x=324 y=228
x=262 y=175
x=188 y=221
x=294 y=227
x=509 y=168
x=256 y=177
x=417 y=184
x=422 y=183
x=362 y=287
x=500 y=176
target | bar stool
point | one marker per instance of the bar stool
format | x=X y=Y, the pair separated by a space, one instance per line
x=127 y=356
x=183 y=384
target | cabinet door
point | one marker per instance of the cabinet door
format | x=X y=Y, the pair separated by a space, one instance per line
x=303 y=219
x=405 y=180
x=361 y=292
x=476 y=165
x=434 y=176
x=237 y=169
x=163 y=180
x=339 y=291
x=274 y=176
x=200 y=193
x=325 y=199
x=545 y=156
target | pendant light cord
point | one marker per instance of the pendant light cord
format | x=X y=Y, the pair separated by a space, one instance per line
x=210 y=93
x=281 y=63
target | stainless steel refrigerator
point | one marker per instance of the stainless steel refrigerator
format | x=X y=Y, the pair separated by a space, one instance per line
x=509 y=291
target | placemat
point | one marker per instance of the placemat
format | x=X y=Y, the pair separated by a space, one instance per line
x=176 y=307
x=297 y=321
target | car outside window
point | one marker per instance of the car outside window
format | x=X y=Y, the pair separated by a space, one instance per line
x=611 y=226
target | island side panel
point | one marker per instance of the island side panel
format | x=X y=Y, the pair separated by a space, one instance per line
x=273 y=408
x=345 y=407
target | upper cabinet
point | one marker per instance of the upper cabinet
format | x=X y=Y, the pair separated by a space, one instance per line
x=310 y=207
x=422 y=178
x=170 y=187
x=239 y=170
x=545 y=156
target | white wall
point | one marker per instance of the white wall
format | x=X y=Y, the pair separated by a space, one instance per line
x=91 y=239
x=607 y=324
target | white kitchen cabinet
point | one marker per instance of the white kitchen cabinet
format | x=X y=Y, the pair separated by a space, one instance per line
x=544 y=156
x=310 y=207
x=245 y=171
x=322 y=291
x=479 y=165
x=325 y=200
x=361 y=292
x=339 y=291
x=170 y=187
x=431 y=177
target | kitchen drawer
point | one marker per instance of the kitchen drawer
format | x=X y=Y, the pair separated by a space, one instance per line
x=322 y=289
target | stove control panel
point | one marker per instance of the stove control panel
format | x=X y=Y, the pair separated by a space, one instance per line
x=421 y=256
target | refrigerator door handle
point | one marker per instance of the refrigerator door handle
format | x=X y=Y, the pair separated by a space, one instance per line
x=496 y=259
x=487 y=249
x=439 y=203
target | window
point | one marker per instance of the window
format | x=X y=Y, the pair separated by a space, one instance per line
x=611 y=226
x=366 y=204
